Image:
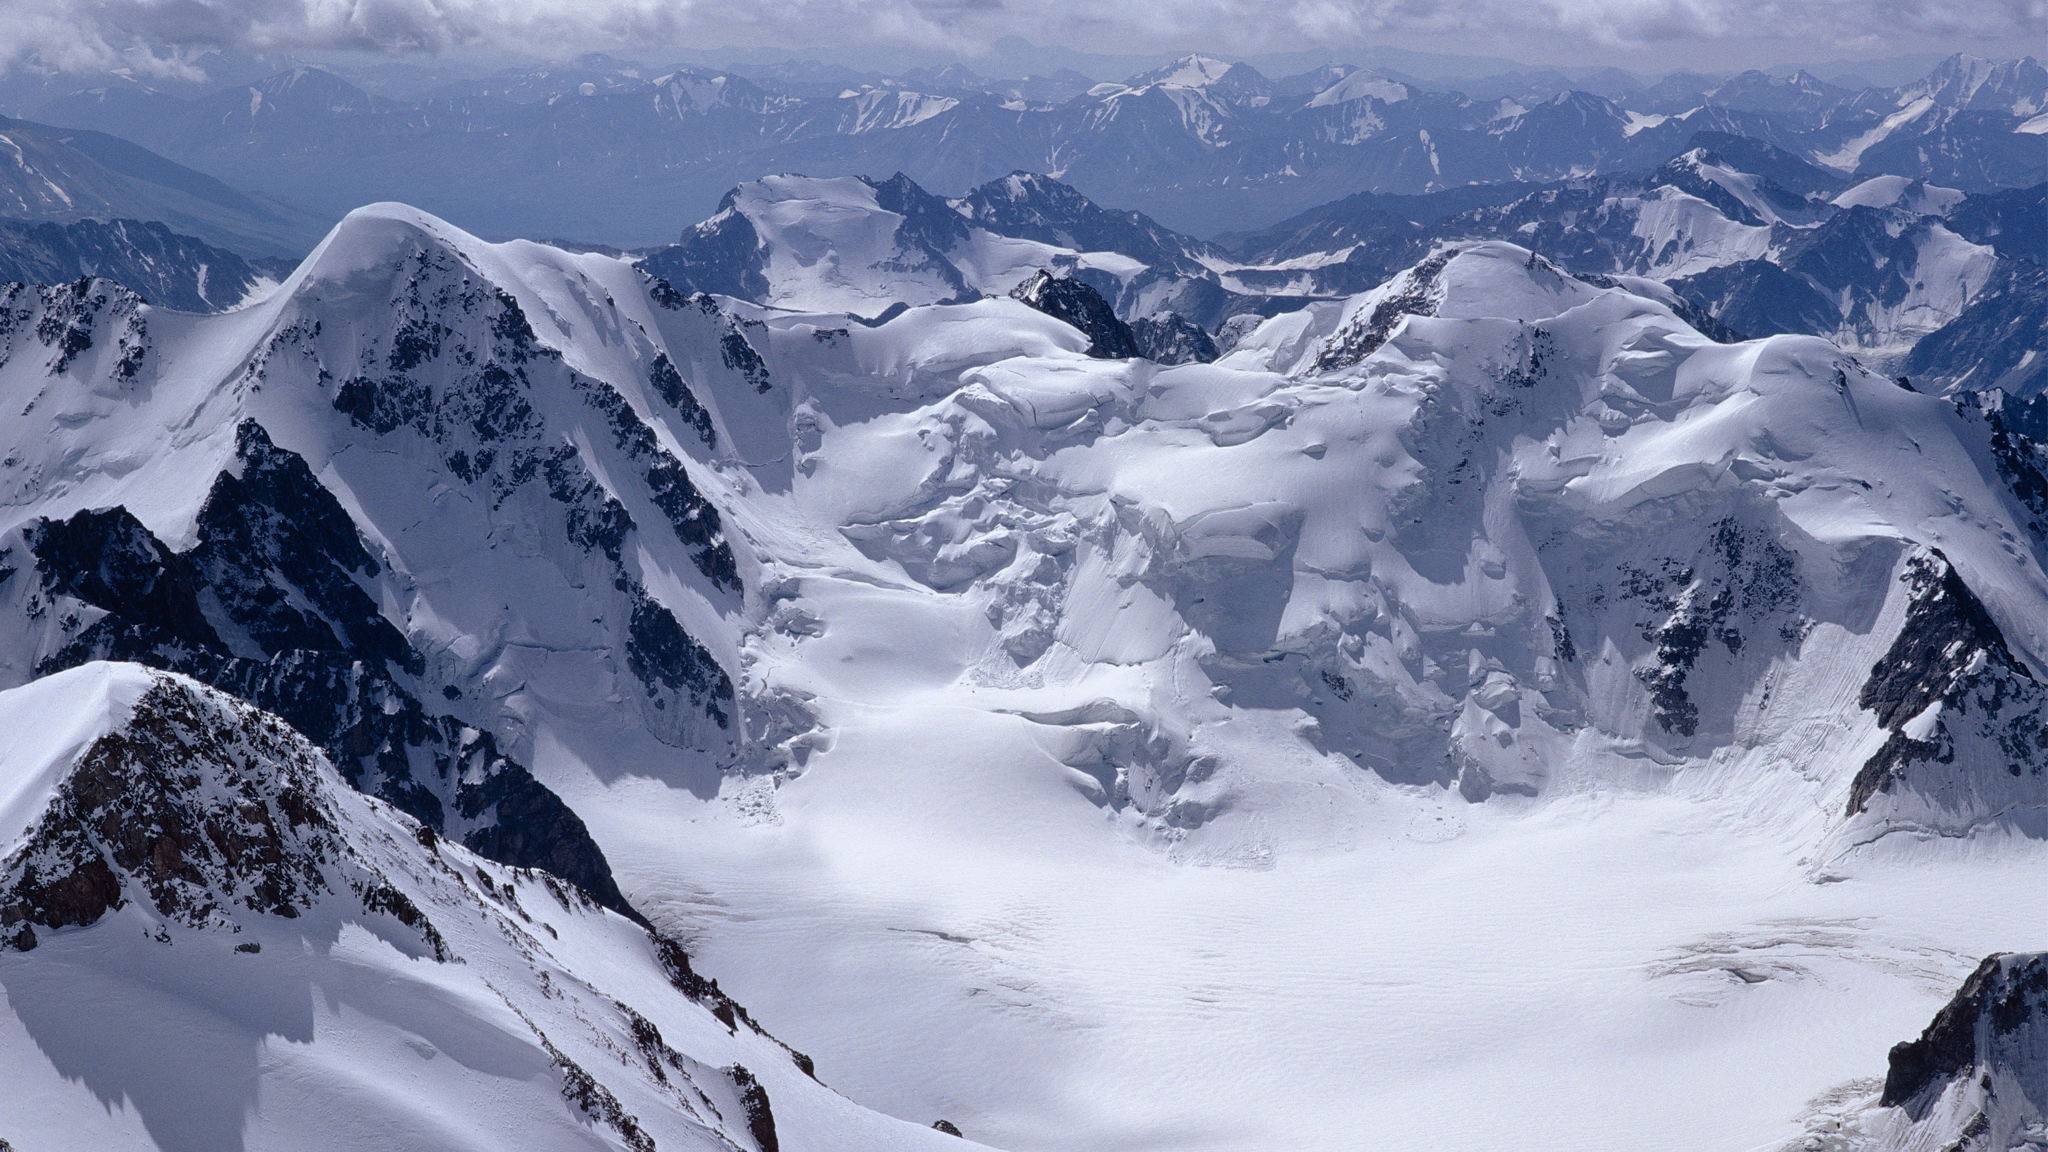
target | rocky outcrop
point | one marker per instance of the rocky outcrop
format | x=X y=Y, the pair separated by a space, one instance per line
x=1977 y=1079
x=1170 y=338
x=1962 y=711
x=201 y=806
x=159 y=265
x=280 y=562
x=1067 y=299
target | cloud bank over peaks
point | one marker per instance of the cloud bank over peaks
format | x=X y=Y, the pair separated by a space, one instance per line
x=84 y=35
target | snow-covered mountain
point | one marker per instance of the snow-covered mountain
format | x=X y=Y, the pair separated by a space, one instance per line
x=1971 y=123
x=1765 y=244
x=609 y=152
x=228 y=558
x=852 y=245
x=1484 y=678
x=211 y=943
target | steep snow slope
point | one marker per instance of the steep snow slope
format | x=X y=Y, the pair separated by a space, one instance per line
x=1485 y=679
x=212 y=944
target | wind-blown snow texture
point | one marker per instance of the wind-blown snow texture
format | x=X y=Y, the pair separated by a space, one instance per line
x=1484 y=678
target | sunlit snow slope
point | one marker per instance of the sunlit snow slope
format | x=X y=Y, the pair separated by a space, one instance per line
x=1481 y=712
x=214 y=944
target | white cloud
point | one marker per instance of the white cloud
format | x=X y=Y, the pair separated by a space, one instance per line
x=73 y=34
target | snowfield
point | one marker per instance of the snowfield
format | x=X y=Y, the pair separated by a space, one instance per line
x=1480 y=713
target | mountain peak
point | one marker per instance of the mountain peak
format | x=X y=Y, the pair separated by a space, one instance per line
x=1190 y=71
x=166 y=791
x=1361 y=85
x=374 y=237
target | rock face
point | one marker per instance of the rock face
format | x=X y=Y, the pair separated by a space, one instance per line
x=1960 y=708
x=1075 y=303
x=1996 y=342
x=1170 y=338
x=1976 y=1080
x=204 y=808
x=1989 y=1044
x=152 y=802
x=279 y=559
x=242 y=567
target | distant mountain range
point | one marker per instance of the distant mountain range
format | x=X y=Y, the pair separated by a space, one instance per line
x=67 y=174
x=1201 y=145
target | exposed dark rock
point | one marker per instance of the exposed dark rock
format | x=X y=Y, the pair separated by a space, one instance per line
x=530 y=827
x=1950 y=653
x=110 y=561
x=2014 y=222
x=1364 y=334
x=1170 y=338
x=675 y=963
x=694 y=519
x=66 y=317
x=1742 y=580
x=722 y=255
x=668 y=384
x=440 y=311
x=2000 y=340
x=1073 y=302
x=1994 y=1024
x=157 y=264
x=397 y=905
x=200 y=811
x=1035 y=207
x=2019 y=449
x=754 y=1100
x=595 y=1100
x=662 y=655
x=273 y=544
x=1760 y=158
x=946 y=1126
x=272 y=535
x=1758 y=298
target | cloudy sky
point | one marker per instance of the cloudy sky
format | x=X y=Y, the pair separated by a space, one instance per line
x=1642 y=35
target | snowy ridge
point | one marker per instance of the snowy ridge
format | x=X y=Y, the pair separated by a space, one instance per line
x=196 y=881
x=407 y=342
